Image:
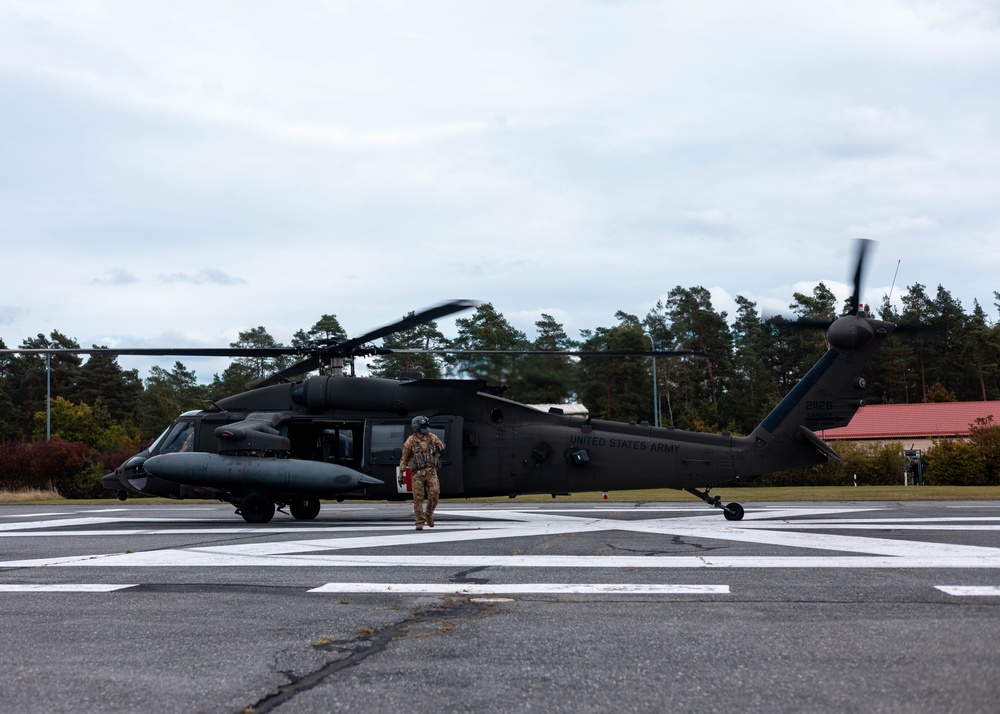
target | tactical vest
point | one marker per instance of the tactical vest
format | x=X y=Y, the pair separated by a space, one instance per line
x=426 y=455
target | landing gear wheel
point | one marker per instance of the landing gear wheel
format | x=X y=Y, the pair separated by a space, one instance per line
x=257 y=507
x=304 y=509
x=733 y=512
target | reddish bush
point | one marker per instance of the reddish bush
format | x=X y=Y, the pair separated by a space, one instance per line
x=72 y=468
x=15 y=467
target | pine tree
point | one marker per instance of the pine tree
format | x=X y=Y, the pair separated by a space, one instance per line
x=102 y=379
x=661 y=337
x=33 y=377
x=548 y=379
x=618 y=388
x=754 y=377
x=981 y=352
x=696 y=326
x=258 y=367
x=918 y=310
x=9 y=415
x=326 y=329
x=487 y=329
x=888 y=378
x=426 y=336
x=167 y=395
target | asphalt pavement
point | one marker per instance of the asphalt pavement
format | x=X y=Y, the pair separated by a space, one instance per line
x=609 y=607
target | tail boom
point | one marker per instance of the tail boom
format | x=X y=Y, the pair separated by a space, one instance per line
x=828 y=396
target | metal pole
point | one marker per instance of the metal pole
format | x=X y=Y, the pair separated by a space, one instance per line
x=670 y=409
x=48 y=396
x=656 y=396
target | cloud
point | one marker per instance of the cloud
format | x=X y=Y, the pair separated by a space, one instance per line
x=589 y=165
x=868 y=130
x=498 y=267
x=894 y=226
x=713 y=221
x=956 y=15
x=119 y=276
x=10 y=314
x=206 y=276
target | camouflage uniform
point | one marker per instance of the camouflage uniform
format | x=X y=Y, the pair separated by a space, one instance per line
x=422 y=455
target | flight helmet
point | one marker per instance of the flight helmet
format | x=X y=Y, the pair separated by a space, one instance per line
x=421 y=424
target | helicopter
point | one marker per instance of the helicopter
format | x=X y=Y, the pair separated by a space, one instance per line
x=295 y=443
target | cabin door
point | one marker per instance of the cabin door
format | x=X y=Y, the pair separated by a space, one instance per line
x=385 y=437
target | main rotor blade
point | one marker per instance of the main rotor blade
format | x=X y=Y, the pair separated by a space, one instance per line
x=419 y=318
x=161 y=351
x=802 y=324
x=308 y=364
x=560 y=353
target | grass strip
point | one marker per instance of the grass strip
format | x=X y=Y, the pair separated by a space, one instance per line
x=662 y=495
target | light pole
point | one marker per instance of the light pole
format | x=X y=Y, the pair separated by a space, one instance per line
x=656 y=397
x=48 y=396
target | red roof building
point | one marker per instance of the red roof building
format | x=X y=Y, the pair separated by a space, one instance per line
x=916 y=425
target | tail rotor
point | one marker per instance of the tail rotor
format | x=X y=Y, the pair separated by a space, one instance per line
x=862 y=248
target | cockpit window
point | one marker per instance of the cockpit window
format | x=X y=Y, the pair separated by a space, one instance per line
x=179 y=438
x=158 y=440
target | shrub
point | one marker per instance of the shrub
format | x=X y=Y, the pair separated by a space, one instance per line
x=955 y=463
x=115 y=457
x=74 y=469
x=984 y=435
x=874 y=465
x=85 y=483
x=15 y=468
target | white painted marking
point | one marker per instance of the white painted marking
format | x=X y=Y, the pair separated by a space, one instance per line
x=203 y=558
x=888 y=526
x=20 y=530
x=943 y=519
x=525 y=588
x=623 y=509
x=851 y=551
x=970 y=590
x=86 y=521
x=61 y=588
x=247 y=530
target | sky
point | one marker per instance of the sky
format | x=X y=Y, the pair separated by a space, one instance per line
x=175 y=173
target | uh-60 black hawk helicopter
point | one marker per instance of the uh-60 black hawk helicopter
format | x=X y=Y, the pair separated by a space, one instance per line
x=294 y=443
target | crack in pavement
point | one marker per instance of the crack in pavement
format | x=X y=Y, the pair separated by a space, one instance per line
x=377 y=641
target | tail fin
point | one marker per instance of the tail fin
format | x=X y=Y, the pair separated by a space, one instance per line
x=827 y=396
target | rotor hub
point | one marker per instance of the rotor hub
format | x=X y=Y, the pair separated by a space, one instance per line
x=850 y=332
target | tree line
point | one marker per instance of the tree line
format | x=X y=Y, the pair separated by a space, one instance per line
x=749 y=363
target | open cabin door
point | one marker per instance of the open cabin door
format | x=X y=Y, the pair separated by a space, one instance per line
x=384 y=439
x=334 y=441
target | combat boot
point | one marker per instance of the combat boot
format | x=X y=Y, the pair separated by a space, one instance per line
x=430 y=520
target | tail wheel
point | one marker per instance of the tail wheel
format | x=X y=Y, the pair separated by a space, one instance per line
x=257 y=507
x=733 y=512
x=304 y=509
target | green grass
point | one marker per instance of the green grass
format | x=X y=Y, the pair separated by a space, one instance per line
x=743 y=495
x=803 y=493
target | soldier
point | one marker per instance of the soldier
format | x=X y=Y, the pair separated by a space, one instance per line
x=422 y=455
